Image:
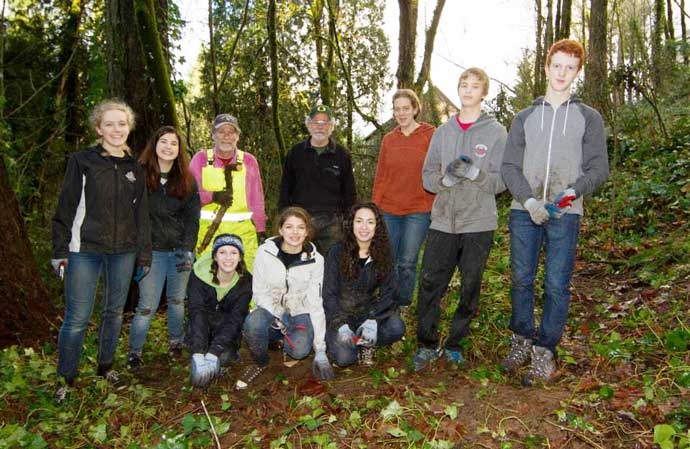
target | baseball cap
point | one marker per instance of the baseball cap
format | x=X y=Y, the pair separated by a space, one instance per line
x=321 y=108
x=225 y=119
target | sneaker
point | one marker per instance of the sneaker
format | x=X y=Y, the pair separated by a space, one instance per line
x=423 y=357
x=249 y=375
x=366 y=355
x=520 y=352
x=134 y=362
x=175 y=350
x=61 y=394
x=542 y=367
x=112 y=376
x=454 y=357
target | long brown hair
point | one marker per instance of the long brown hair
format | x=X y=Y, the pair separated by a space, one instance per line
x=379 y=250
x=179 y=182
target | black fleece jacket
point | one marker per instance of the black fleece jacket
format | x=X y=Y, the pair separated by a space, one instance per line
x=318 y=182
x=363 y=298
x=104 y=201
x=216 y=326
x=174 y=223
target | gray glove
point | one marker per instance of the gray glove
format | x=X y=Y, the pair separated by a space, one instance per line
x=59 y=266
x=368 y=331
x=202 y=371
x=460 y=168
x=184 y=260
x=322 y=367
x=537 y=211
x=213 y=364
x=345 y=335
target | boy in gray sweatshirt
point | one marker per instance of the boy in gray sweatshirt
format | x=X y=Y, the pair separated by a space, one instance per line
x=555 y=154
x=462 y=167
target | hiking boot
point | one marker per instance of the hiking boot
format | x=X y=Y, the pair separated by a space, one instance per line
x=423 y=357
x=542 y=367
x=366 y=355
x=112 y=376
x=520 y=351
x=175 y=350
x=249 y=375
x=134 y=362
x=454 y=357
x=61 y=394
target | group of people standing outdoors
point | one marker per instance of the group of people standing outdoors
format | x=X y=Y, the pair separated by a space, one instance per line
x=337 y=273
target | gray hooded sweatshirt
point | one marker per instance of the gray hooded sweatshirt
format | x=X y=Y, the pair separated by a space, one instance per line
x=549 y=150
x=468 y=206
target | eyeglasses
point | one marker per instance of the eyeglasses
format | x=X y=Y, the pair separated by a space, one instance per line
x=320 y=122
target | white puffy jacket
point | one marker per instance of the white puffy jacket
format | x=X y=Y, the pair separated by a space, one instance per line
x=295 y=290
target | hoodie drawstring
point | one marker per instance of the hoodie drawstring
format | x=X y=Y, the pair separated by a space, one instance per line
x=567 y=109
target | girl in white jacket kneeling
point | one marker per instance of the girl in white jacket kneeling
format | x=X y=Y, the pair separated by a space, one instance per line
x=288 y=273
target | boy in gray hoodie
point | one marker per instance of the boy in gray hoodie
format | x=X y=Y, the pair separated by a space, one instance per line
x=462 y=167
x=555 y=154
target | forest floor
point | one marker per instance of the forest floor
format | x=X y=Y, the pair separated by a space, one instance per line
x=623 y=382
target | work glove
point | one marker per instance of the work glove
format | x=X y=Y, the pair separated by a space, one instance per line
x=561 y=204
x=224 y=198
x=141 y=272
x=367 y=332
x=537 y=211
x=59 y=266
x=322 y=367
x=201 y=371
x=346 y=336
x=213 y=363
x=460 y=168
x=184 y=260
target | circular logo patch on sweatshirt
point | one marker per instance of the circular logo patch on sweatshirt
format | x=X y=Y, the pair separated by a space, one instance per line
x=480 y=150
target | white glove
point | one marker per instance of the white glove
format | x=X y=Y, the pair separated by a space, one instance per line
x=201 y=371
x=368 y=331
x=213 y=363
x=537 y=211
x=345 y=335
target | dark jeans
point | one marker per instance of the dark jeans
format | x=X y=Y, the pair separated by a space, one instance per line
x=468 y=252
x=258 y=331
x=328 y=229
x=559 y=237
x=389 y=331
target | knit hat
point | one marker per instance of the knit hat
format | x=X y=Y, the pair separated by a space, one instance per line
x=227 y=239
x=321 y=108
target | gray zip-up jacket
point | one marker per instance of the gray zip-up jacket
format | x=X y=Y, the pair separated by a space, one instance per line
x=549 y=150
x=468 y=206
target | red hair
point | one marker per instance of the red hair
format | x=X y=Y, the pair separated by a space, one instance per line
x=569 y=47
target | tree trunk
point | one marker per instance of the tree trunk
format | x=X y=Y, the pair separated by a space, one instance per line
x=563 y=29
x=27 y=313
x=128 y=78
x=684 y=33
x=156 y=64
x=596 y=79
x=407 y=39
x=538 y=54
x=425 y=70
x=657 y=45
x=212 y=57
x=548 y=33
x=670 y=31
x=275 y=86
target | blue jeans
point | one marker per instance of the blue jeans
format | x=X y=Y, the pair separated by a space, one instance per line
x=81 y=278
x=163 y=267
x=406 y=234
x=389 y=331
x=559 y=236
x=258 y=331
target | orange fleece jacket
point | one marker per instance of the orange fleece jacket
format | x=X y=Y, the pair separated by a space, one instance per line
x=398 y=186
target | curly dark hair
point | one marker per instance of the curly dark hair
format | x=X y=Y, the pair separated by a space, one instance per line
x=379 y=251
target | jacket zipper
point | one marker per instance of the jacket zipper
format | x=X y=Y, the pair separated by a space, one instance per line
x=117 y=190
x=548 y=155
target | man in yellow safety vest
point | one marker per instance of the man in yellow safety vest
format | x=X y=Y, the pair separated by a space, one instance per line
x=230 y=190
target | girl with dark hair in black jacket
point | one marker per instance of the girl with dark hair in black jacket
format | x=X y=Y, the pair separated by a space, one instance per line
x=359 y=295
